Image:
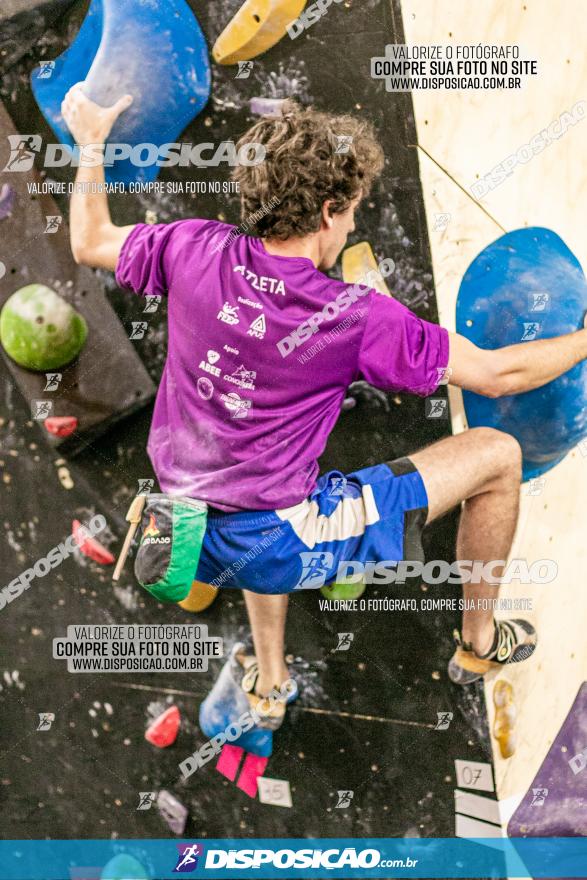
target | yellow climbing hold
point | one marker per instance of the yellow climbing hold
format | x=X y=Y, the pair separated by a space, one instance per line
x=359 y=266
x=505 y=718
x=257 y=26
x=199 y=597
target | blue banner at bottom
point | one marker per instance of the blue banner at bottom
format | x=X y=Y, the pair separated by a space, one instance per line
x=554 y=857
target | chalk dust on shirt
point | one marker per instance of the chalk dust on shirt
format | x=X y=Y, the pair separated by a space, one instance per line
x=261 y=351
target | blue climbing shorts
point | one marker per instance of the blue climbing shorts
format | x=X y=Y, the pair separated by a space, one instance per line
x=373 y=515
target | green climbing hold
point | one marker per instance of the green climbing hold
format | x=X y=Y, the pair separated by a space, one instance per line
x=124 y=867
x=343 y=591
x=40 y=330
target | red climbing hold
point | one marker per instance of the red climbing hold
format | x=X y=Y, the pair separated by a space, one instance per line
x=89 y=546
x=164 y=729
x=61 y=426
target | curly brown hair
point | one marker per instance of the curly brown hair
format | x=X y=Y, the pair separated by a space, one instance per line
x=301 y=170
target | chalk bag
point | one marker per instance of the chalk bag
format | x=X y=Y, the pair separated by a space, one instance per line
x=172 y=534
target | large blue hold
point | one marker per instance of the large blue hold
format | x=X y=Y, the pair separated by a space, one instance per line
x=152 y=49
x=526 y=285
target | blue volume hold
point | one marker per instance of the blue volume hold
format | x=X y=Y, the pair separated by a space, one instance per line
x=528 y=285
x=152 y=49
x=224 y=705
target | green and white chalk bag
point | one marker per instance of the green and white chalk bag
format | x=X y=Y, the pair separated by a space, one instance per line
x=172 y=534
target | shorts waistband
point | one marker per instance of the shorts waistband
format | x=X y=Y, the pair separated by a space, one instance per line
x=256 y=518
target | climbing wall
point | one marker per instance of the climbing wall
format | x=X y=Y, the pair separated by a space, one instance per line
x=462 y=138
x=107 y=380
x=22 y=23
x=368 y=717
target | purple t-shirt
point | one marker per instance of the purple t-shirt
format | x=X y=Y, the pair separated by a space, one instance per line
x=261 y=352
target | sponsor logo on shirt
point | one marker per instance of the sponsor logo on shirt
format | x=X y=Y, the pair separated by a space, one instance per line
x=228 y=314
x=230 y=350
x=238 y=406
x=258 y=328
x=249 y=302
x=205 y=388
x=209 y=367
x=261 y=282
x=242 y=377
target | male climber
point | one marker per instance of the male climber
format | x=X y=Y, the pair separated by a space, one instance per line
x=241 y=417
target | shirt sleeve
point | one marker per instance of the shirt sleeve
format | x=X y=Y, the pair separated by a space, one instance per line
x=399 y=351
x=146 y=260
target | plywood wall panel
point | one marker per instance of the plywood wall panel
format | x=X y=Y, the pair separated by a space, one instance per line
x=467 y=134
